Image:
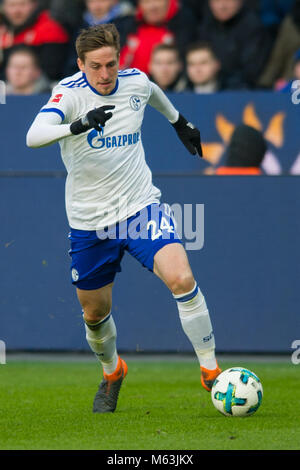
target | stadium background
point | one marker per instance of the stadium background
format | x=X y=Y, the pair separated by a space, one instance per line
x=249 y=265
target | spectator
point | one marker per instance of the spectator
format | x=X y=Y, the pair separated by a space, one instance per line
x=245 y=153
x=196 y=6
x=105 y=11
x=166 y=68
x=23 y=73
x=99 y=12
x=202 y=68
x=272 y=13
x=281 y=63
x=68 y=13
x=287 y=86
x=45 y=4
x=239 y=40
x=24 y=23
x=157 y=22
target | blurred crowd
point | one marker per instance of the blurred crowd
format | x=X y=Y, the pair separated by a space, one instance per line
x=201 y=46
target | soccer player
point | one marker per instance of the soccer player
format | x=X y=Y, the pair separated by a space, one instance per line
x=96 y=116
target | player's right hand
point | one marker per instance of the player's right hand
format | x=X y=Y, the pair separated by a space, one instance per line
x=94 y=119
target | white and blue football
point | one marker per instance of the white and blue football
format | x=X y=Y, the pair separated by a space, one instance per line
x=237 y=392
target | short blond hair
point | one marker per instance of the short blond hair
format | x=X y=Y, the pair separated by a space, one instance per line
x=96 y=37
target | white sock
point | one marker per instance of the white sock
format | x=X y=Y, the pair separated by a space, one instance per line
x=102 y=340
x=195 y=320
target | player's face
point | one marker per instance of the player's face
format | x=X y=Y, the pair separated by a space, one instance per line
x=101 y=68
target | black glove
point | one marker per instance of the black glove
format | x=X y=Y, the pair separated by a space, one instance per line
x=94 y=119
x=189 y=135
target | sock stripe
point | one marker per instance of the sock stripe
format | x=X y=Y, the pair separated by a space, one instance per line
x=187 y=297
x=94 y=326
x=105 y=319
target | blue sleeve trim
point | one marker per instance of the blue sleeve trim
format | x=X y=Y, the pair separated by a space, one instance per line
x=53 y=110
x=72 y=81
x=128 y=72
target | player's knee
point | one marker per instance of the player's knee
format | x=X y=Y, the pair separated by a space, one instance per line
x=182 y=283
x=95 y=313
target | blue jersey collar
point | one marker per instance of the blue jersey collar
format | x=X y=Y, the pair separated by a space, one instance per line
x=97 y=92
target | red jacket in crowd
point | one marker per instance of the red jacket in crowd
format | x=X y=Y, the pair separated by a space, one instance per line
x=179 y=27
x=42 y=33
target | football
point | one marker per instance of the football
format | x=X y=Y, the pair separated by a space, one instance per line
x=237 y=392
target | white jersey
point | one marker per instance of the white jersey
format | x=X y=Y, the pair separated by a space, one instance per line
x=108 y=178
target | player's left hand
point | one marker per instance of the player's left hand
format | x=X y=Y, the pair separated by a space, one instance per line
x=189 y=135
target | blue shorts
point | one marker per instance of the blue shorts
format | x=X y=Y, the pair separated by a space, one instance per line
x=96 y=255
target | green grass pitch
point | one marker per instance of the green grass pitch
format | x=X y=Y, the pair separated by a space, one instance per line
x=47 y=405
